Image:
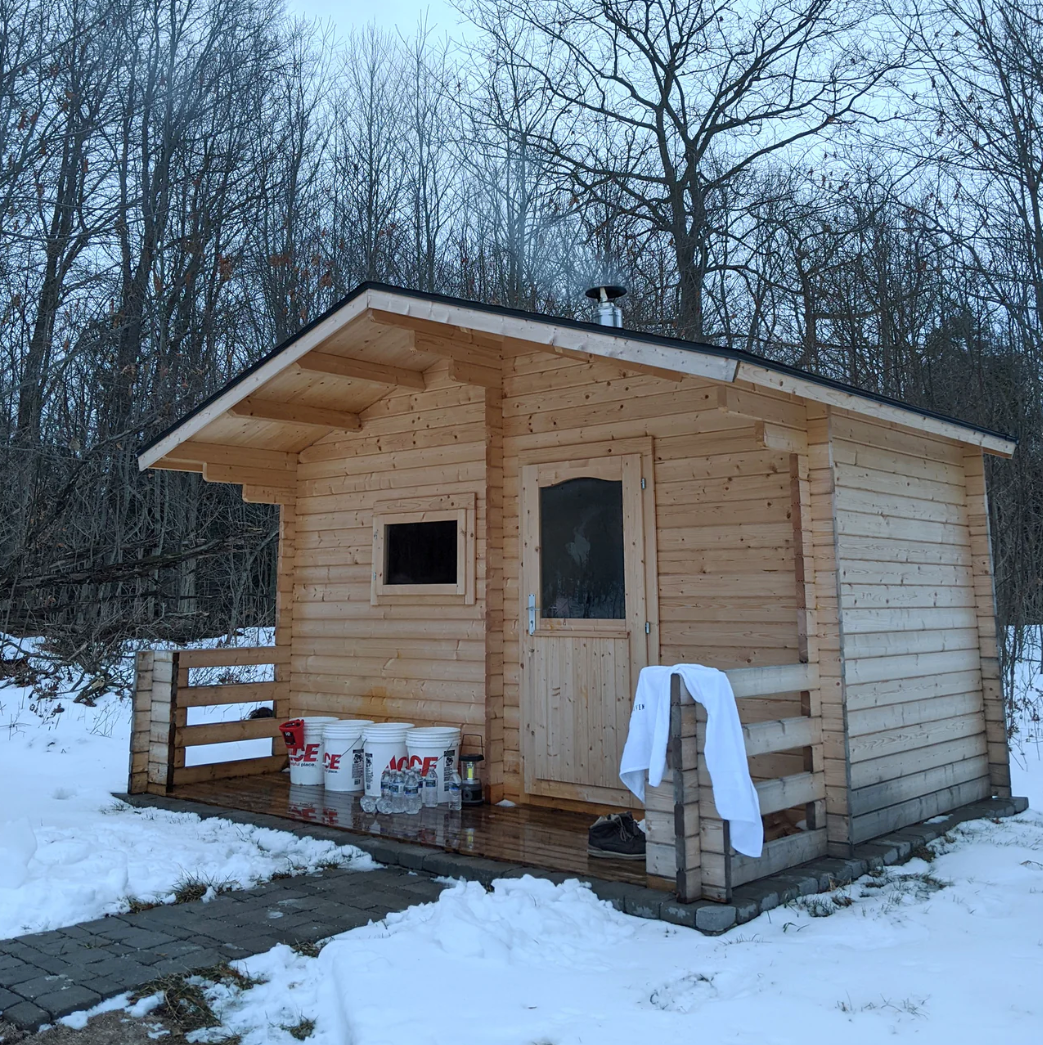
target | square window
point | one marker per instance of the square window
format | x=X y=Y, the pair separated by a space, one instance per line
x=424 y=549
x=420 y=553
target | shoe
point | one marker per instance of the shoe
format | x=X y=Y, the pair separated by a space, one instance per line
x=616 y=837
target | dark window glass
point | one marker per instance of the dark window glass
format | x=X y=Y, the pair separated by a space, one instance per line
x=581 y=550
x=420 y=553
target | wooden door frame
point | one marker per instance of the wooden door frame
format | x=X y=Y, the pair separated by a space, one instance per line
x=646 y=558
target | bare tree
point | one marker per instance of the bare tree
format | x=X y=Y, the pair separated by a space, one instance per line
x=290 y=236
x=432 y=118
x=185 y=184
x=59 y=199
x=980 y=98
x=697 y=92
x=367 y=164
x=981 y=101
x=64 y=179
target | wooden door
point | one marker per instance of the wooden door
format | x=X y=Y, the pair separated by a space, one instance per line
x=585 y=622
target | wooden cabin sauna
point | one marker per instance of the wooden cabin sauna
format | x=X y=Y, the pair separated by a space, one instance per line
x=584 y=501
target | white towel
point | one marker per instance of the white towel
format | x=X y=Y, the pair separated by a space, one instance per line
x=725 y=752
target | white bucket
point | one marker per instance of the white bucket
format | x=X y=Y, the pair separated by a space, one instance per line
x=306 y=762
x=343 y=763
x=438 y=748
x=385 y=745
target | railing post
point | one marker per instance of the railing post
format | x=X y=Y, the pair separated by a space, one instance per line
x=811 y=707
x=178 y=715
x=713 y=829
x=684 y=763
x=163 y=721
x=141 y=724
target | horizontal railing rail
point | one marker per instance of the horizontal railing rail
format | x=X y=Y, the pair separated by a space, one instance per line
x=163 y=695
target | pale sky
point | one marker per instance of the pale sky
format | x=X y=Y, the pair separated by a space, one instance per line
x=388 y=14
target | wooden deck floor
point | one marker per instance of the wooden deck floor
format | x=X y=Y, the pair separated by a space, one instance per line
x=544 y=838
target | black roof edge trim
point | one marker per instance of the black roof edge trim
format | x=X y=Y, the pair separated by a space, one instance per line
x=738 y=354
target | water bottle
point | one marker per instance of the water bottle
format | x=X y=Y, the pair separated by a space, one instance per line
x=386 y=803
x=369 y=804
x=454 y=791
x=413 y=799
x=398 y=792
x=430 y=788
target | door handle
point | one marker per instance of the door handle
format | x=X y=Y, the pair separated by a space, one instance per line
x=532 y=614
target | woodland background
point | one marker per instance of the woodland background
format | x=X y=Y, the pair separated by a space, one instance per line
x=848 y=188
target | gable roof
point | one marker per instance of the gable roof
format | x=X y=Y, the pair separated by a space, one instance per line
x=619 y=344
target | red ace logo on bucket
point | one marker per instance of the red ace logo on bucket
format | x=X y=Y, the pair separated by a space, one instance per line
x=429 y=762
x=331 y=761
x=392 y=763
x=305 y=756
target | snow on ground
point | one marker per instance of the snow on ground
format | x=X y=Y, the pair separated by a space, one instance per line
x=942 y=951
x=948 y=950
x=69 y=852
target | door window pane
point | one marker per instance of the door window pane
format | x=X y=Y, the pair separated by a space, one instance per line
x=420 y=553
x=581 y=550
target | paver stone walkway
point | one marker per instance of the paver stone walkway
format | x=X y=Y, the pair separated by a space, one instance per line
x=44 y=976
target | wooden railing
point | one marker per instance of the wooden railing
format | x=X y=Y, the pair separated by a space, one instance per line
x=162 y=696
x=687 y=838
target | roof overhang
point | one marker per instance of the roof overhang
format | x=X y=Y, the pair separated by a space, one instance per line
x=379 y=336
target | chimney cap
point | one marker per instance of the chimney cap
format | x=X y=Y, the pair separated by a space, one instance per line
x=606 y=293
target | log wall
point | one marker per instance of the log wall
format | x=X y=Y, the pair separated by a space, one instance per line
x=734 y=470
x=985 y=604
x=836 y=762
x=910 y=628
x=420 y=660
x=727 y=585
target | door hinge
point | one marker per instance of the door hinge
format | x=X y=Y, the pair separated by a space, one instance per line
x=532 y=614
x=648 y=628
x=643 y=484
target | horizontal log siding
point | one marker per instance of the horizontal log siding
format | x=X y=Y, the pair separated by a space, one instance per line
x=912 y=666
x=418 y=661
x=992 y=686
x=727 y=583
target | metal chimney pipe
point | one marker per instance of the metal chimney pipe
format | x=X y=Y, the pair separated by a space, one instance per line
x=609 y=313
